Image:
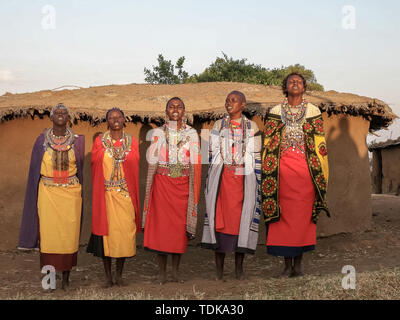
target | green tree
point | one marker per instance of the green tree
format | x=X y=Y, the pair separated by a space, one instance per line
x=182 y=75
x=227 y=69
x=164 y=72
x=239 y=70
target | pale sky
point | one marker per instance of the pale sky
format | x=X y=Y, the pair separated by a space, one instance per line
x=92 y=43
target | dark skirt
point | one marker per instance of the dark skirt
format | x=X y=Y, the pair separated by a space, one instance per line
x=226 y=243
x=159 y=252
x=288 y=252
x=60 y=262
x=95 y=246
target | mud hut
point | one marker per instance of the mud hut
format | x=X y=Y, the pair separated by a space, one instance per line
x=348 y=119
x=385 y=171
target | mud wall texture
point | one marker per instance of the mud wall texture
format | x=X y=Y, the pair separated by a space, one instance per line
x=376 y=172
x=349 y=188
x=391 y=170
x=349 y=192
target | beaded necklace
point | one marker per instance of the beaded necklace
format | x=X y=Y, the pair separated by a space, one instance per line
x=233 y=141
x=60 y=146
x=58 y=143
x=117 y=152
x=290 y=117
x=292 y=134
x=175 y=139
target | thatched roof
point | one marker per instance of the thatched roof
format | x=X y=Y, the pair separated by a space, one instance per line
x=384 y=144
x=204 y=100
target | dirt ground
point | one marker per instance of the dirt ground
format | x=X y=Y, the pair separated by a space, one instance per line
x=369 y=252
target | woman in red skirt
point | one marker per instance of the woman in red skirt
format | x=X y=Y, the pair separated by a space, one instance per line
x=233 y=186
x=294 y=175
x=172 y=189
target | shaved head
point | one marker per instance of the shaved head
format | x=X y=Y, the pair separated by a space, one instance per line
x=240 y=94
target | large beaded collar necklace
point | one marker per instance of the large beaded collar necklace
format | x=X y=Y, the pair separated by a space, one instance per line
x=292 y=134
x=58 y=143
x=295 y=115
x=119 y=152
x=58 y=147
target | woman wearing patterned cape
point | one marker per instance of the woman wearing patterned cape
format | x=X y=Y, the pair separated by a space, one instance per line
x=115 y=207
x=52 y=211
x=233 y=186
x=294 y=175
x=172 y=189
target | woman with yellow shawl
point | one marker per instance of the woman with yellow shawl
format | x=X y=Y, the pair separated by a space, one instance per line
x=115 y=206
x=294 y=175
x=52 y=212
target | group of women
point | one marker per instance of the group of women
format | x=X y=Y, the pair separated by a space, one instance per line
x=284 y=178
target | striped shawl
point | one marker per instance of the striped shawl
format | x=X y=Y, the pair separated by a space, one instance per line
x=248 y=231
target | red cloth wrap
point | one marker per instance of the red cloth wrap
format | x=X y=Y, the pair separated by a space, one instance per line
x=230 y=202
x=131 y=170
x=166 y=217
x=296 y=198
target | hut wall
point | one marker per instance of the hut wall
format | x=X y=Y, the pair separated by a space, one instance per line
x=376 y=173
x=16 y=141
x=349 y=188
x=391 y=170
x=348 y=196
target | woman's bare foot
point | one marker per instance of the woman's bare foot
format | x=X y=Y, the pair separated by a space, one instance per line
x=297 y=269
x=108 y=284
x=219 y=275
x=286 y=273
x=162 y=279
x=119 y=282
x=65 y=285
x=295 y=274
x=220 y=279
x=239 y=274
x=176 y=279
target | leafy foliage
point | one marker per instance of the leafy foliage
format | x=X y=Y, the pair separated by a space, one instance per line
x=228 y=69
x=164 y=73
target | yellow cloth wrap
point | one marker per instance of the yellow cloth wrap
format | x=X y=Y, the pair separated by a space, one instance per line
x=59 y=210
x=121 y=239
x=320 y=140
x=264 y=152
